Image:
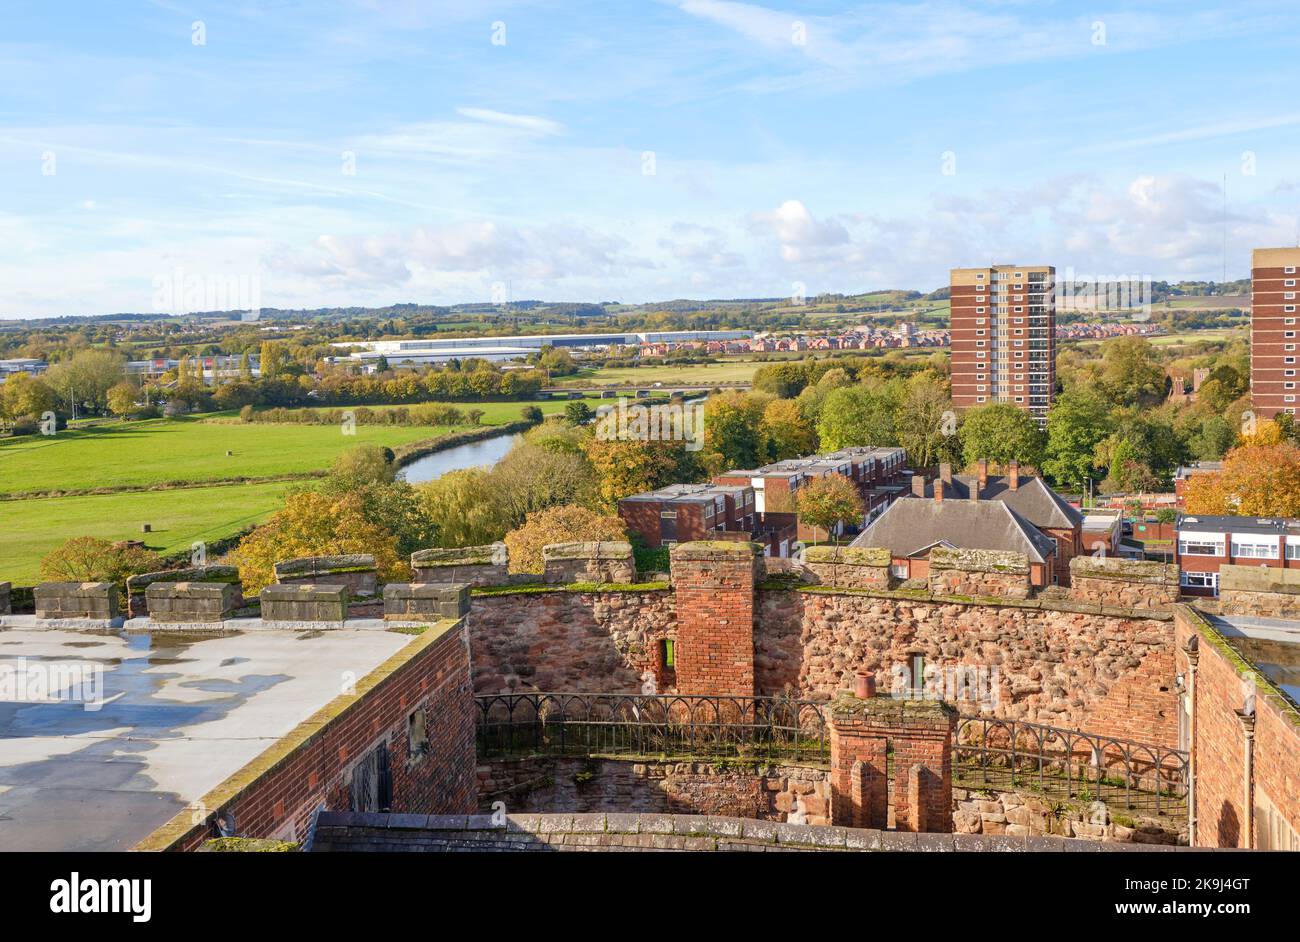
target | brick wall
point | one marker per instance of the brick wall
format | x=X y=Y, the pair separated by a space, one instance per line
x=878 y=738
x=1219 y=743
x=276 y=794
x=714 y=588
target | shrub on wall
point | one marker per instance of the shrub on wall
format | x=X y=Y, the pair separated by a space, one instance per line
x=91 y=559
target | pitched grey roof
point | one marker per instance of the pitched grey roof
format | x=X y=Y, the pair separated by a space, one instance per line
x=911 y=526
x=1033 y=499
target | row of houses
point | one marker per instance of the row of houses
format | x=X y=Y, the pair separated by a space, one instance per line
x=759 y=504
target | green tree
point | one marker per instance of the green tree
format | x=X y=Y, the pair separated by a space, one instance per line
x=926 y=422
x=862 y=414
x=87 y=377
x=578 y=412
x=1131 y=373
x=733 y=434
x=1075 y=424
x=1000 y=432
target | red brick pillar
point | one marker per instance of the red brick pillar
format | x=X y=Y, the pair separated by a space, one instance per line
x=714 y=587
x=920 y=734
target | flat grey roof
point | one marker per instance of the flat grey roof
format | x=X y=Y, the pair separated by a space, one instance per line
x=177 y=714
x=1271 y=644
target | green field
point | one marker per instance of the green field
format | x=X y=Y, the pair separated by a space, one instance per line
x=125 y=454
x=158 y=451
x=31 y=528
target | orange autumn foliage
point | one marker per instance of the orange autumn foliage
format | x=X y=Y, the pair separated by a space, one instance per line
x=1256 y=481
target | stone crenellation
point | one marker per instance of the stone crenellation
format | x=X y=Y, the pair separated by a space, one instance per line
x=565 y=563
x=473 y=565
x=356 y=571
x=325 y=605
x=79 y=601
x=190 y=602
x=138 y=585
x=1132 y=583
x=419 y=603
x=849 y=567
x=979 y=573
x=1259 y=590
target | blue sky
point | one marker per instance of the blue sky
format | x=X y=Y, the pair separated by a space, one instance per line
x=365 y=152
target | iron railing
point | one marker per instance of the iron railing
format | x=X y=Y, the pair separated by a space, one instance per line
x=668 y=725
x=1069 y=763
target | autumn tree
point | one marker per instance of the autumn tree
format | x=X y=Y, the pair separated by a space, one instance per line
x=23 y=395
x=825 y=502
x=567 y=524
x=785 y=431
x=91 y=559
x=124 y=399
x=316 y=524
x=630 y=465
x=1256 y=481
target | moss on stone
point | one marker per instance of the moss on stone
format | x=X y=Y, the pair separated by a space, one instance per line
x=873 y=556
x=260 y=845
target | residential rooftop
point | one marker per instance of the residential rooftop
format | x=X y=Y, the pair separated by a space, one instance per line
x=911 y=527
x=698 y=493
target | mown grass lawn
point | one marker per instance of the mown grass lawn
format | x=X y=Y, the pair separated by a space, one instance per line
x=31 y=528
x=154 y=451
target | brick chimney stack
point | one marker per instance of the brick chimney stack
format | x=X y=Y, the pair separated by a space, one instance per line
x=1013 y=475
x=983 y=466
x=945 y=473
x=918 y=486
x=938 y=490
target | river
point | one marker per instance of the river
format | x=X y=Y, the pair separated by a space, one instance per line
x=472 y=454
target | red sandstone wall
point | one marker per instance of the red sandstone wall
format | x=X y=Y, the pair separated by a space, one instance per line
x=1107 y=675
x=587 y=642
x=280 y=802
x=546 y=784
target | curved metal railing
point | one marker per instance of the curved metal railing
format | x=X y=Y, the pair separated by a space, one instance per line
x=1001 y=753
x=775 y=728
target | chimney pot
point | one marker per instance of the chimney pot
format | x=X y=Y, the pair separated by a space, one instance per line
x=983 y=467
x=864 y=685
